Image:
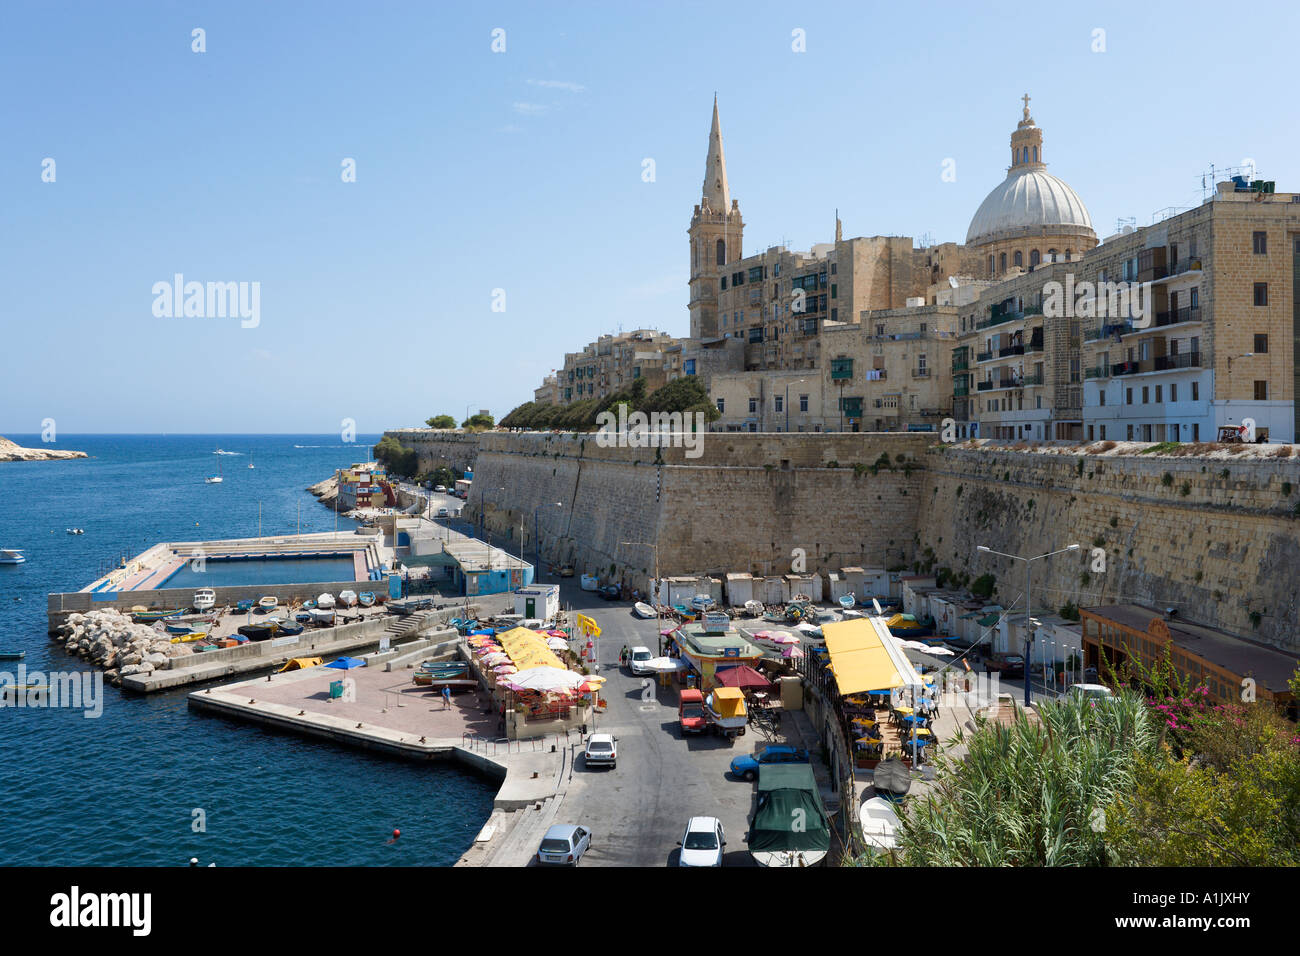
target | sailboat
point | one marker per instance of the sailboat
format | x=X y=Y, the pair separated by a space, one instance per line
x=250 y=459
x=215 y=479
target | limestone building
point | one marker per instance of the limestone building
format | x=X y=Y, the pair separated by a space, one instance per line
x=613 y=362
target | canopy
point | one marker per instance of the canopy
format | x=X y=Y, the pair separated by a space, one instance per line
x=742 y=676
x=300 y=663
x=347 y=663
x=527 y=649
x=865 y=656
x=557 y=643
x=545 y=679
x=728 y=702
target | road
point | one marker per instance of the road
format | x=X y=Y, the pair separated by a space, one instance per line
x=638 y=811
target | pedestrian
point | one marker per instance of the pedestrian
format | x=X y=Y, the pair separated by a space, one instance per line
x=622 y=656
x=446 y=698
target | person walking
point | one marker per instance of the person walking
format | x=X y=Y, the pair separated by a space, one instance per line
x=446 y=698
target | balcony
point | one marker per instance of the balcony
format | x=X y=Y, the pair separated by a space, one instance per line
x=984 y=386
x=1029 y=381
x=920 y=373
x=1106 y=330
x=1101 y=371
x=1166 y=363
x=1011 y=350
x=960 y=365
x=983 y=356
x=1177 y=316
x=1126 y=368
x=960 y=391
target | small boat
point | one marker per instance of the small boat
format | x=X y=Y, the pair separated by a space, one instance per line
x=12 y=655
x=325 y=602
x=243 y=607
x=205 y=599
x=789 y=826
x=11 y=556
x=268 y=604
x=303 y=617
x=148 y=617
x=444 y=667
x=190 y=637
x=366 y=598
x=641 y=609
x=348 y=598
x=76 y=531
x=879 y=823
x=178 y=628
x=589 y=582
x=250 y=459
x=309 y=605
x=701 y=602
x=322 y=616
x=847 y=601
x=754 y=608
x=289 y=630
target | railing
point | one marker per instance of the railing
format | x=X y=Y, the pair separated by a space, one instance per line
x=1028 y=380
x=920 y=373
x=1177 y=316
x=960 y=366
x=1106 y=330
x=1101 y=371
x=1011 y=350
x=1185 y=360
x=1125 y=368
x=983 y=356
x=983 y=386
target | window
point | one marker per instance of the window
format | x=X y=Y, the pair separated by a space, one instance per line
x=1261 y=293
x=722 y=405
x=1196 y=391
x=753 y=405
x=780 y=403
x=841 y=368
x=990 y=263
x=1196 y=432
x=1173 y=393
x=1019 y=259
x=1146 y=394
x=1159 y=394
x=1103 y=428
x=803 y=403
x=636 y=372
x=1128 y=396
x=1002 y=262
x=1261 y=391
x=1195 y=297
x=724 y=283
x=1261 y=344
x=688 y=367
x=1034 y=258
x=721 y=253
x=1101 y=397
x=755 y=274
x=1260 y=242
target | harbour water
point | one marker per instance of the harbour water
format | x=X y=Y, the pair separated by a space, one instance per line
x=124 y=788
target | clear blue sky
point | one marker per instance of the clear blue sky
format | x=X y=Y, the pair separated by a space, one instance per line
x=522 y=171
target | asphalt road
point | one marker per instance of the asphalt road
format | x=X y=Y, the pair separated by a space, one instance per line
x=638 y=811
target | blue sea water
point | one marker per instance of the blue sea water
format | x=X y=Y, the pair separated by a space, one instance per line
x=123 y=788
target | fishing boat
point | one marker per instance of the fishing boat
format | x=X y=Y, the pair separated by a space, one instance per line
x=366 y=598
x=701 y=603
x=641 y=609
x=288 y=630
x=754 y=608
x=243 y=607
x=250 y=459
x=76 y=531
x=148 y=617
x=309 y=605
x=322 y=616
x=11 y=556
x=325 y=602
x=847 y=601
x=189 y=638
x=906 y=625
x=12 y=655
x=348 y=598
x=178 y=628
x=205 y=599
x=268 y=604
x=790 y=826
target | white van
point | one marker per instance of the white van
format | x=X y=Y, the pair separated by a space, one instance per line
x=1091 y=691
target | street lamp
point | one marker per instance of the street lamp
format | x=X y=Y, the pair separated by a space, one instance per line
x=1029 y=621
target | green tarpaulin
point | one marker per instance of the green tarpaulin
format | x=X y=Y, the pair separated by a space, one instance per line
x=789 y=814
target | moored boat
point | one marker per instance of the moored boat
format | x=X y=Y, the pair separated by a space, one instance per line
x=244 y=606
x=642 y=609
x=303 y=617
x=175 y=628
x=190 y=637
x=11 y=556
x=366 y=598
x=12 y=655
x=348 y=598
x=847 y=601
x=148 y=617
x=322 y=616
x=288 y=630
x=205 y=599
x=325 y=602
x=268 y=604
x=789 y=826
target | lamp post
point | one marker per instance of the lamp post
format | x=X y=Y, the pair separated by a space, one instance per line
x=798 y=381
x=1029 y=621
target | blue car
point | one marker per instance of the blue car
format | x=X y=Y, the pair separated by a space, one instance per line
x=747 y=765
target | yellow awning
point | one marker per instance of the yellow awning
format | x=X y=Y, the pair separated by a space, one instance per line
x=527 y=648
x=864 y=656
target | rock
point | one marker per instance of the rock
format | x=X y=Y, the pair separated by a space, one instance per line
x=11 y=452
x=156 y=659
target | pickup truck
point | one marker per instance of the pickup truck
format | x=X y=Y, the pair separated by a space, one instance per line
x=1008 y=665
x=690 y=712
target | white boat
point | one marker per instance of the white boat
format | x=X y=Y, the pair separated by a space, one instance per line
x=268 y=603
x=325 y=602
x=322 y=616
x=11 y=556
x=642 y=609
x=879 y=823
x=76 y=531
x=205 y=599
x=701 y=602
x=250 y=459
x=215 y=479
x=754 y=608
x=348 y=598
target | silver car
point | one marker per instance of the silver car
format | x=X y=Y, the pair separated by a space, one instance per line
x=564 y=844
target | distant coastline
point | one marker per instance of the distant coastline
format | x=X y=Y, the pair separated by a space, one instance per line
x=11 y=452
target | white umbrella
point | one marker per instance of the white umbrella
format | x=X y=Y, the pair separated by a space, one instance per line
x=664 y=665
x=915 y=645
x=941 y=651
x=557 y=643
x=545 y=678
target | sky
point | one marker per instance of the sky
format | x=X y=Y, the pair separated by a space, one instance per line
x=500 y=213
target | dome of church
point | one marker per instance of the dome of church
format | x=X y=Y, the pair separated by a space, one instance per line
x=1029 y=199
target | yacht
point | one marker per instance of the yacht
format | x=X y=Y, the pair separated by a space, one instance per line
x=215 y=479
x=11 y=556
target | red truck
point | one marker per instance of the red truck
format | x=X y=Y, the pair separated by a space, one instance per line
x=690 y=712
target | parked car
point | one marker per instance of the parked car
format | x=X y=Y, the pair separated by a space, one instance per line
x=746 y=765
x=566 y=571
x=1091 y=691
x=702 y=842
x=441 y=489
x=564 y=843
x=637 y=658
x=1008 y=665
x=610 y=592
x=443 y=513
x=602 y=751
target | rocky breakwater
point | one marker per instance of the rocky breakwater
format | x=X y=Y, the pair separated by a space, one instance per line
x=11 y=452
x=111 y=640
x=327 y=491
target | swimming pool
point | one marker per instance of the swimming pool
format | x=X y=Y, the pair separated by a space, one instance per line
x=235 y=572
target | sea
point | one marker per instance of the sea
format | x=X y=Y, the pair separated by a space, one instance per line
x=150 y=782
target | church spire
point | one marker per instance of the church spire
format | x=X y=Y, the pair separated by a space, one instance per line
x=716 y=194
x=1026 y=143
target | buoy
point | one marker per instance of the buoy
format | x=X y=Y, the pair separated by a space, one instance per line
x=194 y=861
x=396 y=834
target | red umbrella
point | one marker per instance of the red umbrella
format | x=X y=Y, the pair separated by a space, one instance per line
x=742 y=677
